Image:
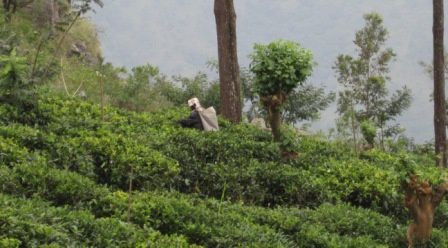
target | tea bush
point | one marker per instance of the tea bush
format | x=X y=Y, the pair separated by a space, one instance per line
x=175 y=213
x=117 y=159
x=31 y=138
x=107 y=158
x=230 y=145
x=9 y=243
x=314 y=151
x=239 y=162
x=206 y=220
x=11 y=153
x=59 y=186
x=172 y=214
x=34 y=223
x=209 y=222
x=341 y=223
x=79 y=158
x=113 y=160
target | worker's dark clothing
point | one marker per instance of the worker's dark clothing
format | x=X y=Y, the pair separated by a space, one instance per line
x=194 y=121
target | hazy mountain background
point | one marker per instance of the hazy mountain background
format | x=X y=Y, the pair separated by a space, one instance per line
x=179 y=36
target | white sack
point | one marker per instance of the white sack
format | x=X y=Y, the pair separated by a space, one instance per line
x=209 y=119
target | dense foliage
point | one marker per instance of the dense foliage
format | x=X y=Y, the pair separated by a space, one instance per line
x=77 y=165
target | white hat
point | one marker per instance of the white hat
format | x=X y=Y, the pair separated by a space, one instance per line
x=193 y=101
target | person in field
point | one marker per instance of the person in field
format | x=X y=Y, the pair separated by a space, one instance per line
x=194 y=120
x=200 y=118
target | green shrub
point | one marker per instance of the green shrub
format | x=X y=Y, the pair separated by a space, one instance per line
x=439 y=238
x=327 y=226
x=368 y=131
x=178 y=214
x=316 y=237
x=288 y=139
x=117 y=159
x=11 y=153
x=9 y=243
x=107 y=158
x=258 y=183
x=350 y=222
x=70 y=117
x=70 y=154
x=228 y=145
x=58 y=186
x=404 y=164
x=35 y=223
x=31 y=138
x=77 y=159
x=209 y=222
x=441 y=215
x=7 y=113
x=172 y=214
x=314 y=151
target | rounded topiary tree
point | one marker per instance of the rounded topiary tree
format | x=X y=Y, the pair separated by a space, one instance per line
x=279 y=68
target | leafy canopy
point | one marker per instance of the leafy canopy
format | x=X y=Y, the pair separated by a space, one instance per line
x=365 y=95
x=305 y=103
x=280 y=66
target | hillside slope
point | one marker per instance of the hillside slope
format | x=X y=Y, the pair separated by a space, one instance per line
x=75 y=173
x=72 y=174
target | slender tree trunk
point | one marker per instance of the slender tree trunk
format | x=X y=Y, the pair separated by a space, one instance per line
x=101 y=80
x=353 y=119
x=355 y=142
x=275 y=122
x=439 y=84
x=229 y=75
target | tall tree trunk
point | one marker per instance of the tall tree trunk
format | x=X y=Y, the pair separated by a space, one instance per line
x=439 y=84
x=229 y=72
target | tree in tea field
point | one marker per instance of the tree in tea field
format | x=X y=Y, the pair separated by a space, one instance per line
x=364 y=78
x=278 y=69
